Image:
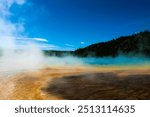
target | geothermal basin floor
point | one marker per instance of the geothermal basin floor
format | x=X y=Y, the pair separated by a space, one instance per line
x=77 y=83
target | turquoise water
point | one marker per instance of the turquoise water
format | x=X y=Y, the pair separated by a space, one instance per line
x=116 y=61
x=106 y=61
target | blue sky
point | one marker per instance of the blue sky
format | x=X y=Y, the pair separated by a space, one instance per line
x=72 y=24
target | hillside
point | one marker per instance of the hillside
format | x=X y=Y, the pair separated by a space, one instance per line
x=137 y=44
x=133 y=45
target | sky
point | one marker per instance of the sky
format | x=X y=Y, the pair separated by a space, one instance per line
x=72 y=24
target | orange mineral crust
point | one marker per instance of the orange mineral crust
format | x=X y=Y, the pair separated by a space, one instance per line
x=77 y=82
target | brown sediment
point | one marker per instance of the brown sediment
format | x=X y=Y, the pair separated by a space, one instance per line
x=101 y=86
x=77 y=82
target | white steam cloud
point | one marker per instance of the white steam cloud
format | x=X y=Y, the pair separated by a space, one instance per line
x=12 y=59
x=5 y=6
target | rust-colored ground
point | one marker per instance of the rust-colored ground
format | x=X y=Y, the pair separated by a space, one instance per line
x=78 y=82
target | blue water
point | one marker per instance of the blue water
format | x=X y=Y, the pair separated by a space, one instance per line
x=116 y=61
x=106 y=61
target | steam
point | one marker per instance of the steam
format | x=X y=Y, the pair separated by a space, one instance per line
x=26 y=55
x=64 y=61
x=16 y=57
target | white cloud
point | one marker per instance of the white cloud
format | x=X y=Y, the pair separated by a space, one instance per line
x=40 y=39
x=23 y=41
x=5 y=6
x=69 y=45
x=82 y=42
x=7 y=28
x=48 y=46
x=32 y=39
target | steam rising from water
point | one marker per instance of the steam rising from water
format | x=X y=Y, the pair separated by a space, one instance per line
x=12 y=58
x=23 y=56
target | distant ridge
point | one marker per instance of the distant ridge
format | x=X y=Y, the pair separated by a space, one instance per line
x=137 y=44
x=133 y=45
